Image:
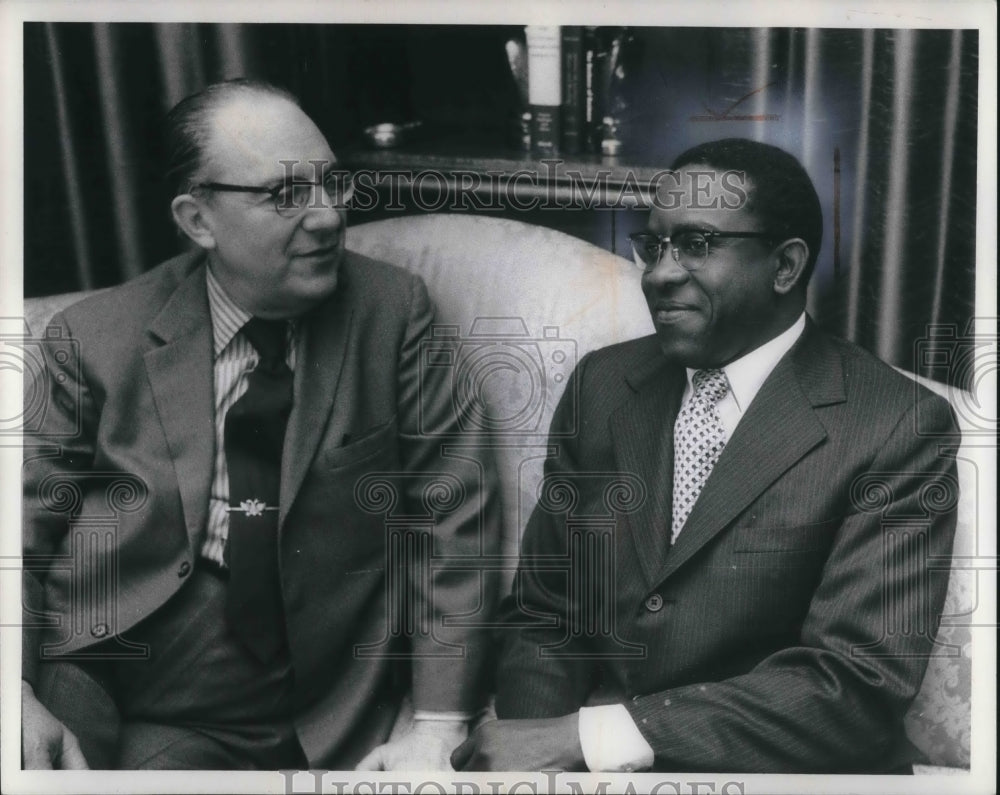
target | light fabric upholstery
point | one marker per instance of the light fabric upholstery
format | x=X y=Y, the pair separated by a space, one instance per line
x=570 y=297
x=939 y=721
x=509 y=274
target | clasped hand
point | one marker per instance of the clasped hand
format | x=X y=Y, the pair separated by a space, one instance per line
x=425 y=747
x=46 y=744
x=539 y=744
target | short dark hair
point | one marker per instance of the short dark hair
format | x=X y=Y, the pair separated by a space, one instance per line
x=781 y=192
x=188 y=126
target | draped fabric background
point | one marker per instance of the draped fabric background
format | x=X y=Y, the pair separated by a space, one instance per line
x=884 y=120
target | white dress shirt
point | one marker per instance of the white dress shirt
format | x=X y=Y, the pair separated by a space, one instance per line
x=610 y=739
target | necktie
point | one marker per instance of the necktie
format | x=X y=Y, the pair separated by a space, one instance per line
x=698 y=441
x=254 y=434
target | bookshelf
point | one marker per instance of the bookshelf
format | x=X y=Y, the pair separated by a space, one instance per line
x=599 y=199
x=554 y=176
x=468 y=155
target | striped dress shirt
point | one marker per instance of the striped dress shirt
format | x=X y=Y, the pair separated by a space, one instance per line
x=233 y=359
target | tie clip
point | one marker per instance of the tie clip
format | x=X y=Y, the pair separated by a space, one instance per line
x=252 y=507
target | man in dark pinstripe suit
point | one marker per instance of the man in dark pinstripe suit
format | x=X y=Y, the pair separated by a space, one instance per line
x=770 y=600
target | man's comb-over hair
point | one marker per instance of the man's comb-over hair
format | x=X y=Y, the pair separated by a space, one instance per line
x=780 y=191
x=188 y=126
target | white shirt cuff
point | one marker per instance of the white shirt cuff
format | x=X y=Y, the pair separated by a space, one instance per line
x=426 y=714
x=611 y=741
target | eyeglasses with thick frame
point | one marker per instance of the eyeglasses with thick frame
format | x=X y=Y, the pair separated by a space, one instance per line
x=689 y=248
x=291 y=198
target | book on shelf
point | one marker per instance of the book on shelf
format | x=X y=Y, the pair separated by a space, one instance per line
x=591 y=101
x=603 y=74
x=573 y=90
x=544 y=87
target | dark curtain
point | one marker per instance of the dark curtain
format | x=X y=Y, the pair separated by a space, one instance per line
x=905 y=263
x=884 y=120
x=95 y=96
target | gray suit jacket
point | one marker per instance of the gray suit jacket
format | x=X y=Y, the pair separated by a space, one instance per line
x=130 y=421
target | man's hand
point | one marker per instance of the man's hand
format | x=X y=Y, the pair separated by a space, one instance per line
x=426 y=747
x=543 y=744
x=45 y=743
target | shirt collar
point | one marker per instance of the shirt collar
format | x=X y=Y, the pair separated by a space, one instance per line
x=227 y=316
x=748 y=373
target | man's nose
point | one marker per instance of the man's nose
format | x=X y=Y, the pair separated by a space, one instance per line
x=322 y=213
x=666 y=272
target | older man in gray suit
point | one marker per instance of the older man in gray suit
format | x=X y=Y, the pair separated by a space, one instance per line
x=246 y=391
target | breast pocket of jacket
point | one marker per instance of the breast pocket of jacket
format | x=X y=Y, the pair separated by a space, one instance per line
x=774 y=541
x=774 y=571
x=347 y=533
x=371 y=443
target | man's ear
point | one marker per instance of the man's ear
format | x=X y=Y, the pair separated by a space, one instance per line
x=190 y=219
x=792 y=258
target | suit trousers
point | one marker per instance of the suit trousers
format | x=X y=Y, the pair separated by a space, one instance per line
x=197 y=700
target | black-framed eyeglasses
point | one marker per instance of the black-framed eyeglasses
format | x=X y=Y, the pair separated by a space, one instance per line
x=291 y=198
x=689 y=248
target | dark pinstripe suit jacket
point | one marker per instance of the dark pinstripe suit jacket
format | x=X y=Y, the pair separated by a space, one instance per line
x=788 y=627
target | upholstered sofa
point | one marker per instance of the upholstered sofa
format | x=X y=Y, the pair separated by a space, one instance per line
x=539 y=300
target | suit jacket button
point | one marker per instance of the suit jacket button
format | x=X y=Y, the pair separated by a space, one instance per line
x=184 y=570
x=99 y=630
x=654 y=603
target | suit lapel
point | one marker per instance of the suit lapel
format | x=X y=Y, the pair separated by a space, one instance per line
x=324 y=338
x=642 y=434
x=778 y=429
x=180 y=376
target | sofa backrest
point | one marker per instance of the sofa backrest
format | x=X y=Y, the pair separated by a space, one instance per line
x=528 y=302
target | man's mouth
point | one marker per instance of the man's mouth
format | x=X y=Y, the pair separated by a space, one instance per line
x=320 y=252
x=667 y=311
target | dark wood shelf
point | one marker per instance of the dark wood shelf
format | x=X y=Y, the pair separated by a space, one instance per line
x=570 y=180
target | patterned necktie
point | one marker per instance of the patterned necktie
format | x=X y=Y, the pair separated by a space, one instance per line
x=254 y=435
x=699 y=437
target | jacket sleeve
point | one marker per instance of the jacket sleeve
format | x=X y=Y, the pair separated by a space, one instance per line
x=449 y=473
x=835 y=701
x=537 y=612
x=61 y=420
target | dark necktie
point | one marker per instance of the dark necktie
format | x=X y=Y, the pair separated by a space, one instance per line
x=254 y=434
